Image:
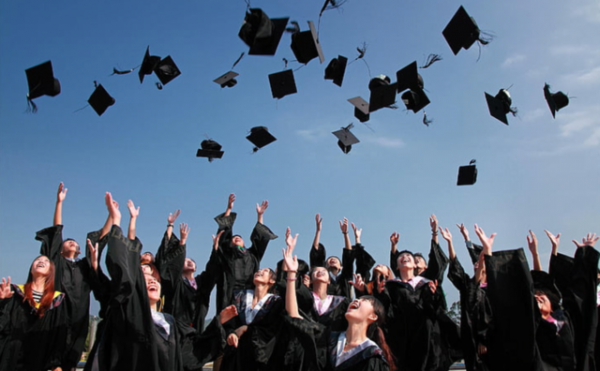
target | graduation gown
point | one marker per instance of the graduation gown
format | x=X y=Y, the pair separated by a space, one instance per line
x=72 y=278
x=555 y=341
x=476 y=318
x=338 y=285
x=28 y=342
x=412 y=331
x=236 y=267
x=256 y=346
x=576 y=278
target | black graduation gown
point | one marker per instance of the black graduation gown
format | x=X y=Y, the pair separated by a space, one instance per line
x=184 y=302
x=510 y=294
x=556 y=345
x=72 y=278
x=577 y=279
x=256 y=346
x=412 y=331
x=338 y=285
x=236 y=268
x=27 y=342
x=475 y=316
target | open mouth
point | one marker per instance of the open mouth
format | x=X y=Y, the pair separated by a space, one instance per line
x=354 y=305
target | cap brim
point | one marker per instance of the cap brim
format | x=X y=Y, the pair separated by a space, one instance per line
x=270 y=47
x=467 y=175
x=346 y=137
x=407 y=77
x=226 y=77
x=209 y=153
x=282 y=84
x=496 y=108
x=382 y=96
x=360 y=104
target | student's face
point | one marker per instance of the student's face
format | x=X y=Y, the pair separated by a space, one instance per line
x=146 y=269
x=263 y=276
x=421 y=265
x=334 y=263
x=381 y=270
x=361 y=310
x=320 y=274
x=189 y=265
x=237 y=241
x=407 y=261
x=40 y=266
x=146 y=258
x=544 y=304
x=70 y=247
x=152 y=288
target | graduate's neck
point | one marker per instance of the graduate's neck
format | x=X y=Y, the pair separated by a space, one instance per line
x=320 y=289
x=356 y=333
x=189 y=275
x=334 y=270
x=38 y=283
x=153 y=304
x=68 y=254
x=260 y=291
x=406 y=274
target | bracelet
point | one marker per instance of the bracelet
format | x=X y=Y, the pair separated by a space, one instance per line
x=292 y=279
x=344 y=232
x=292 y=271
x=170 y=225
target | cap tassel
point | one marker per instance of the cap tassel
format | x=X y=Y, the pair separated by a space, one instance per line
x=361 y=53
x=238 y=60
x=31 y=107
x=426 y=121
x=431 y=59
x=514 y=111
x=294 y=29
x=121 y=72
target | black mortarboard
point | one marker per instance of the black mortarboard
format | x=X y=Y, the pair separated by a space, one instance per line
x=148 y=64
x=306 y=46
x=282 y=84
x=335 y=70
x=467 y=175
x=409 y=78
x=361 y=108
x=556 y=101
x=462 y=31
x=261 y=33
x=499 y=105
x=166 y=70
x=345 y=138
x=383 y=93
x=415 y=100
x=210 y=149
x=544 y=282
x=100 y=100
x=227 y=80
x=260 y=137
x=41 y=81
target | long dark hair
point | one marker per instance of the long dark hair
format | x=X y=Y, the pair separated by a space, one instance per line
x=375 y=333
x=48 y=294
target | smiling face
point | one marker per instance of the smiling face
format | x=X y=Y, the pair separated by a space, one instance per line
x=421 y=264
x=40 y=266
x=320 y=274
x=70 y=249
x=237 y=240
x=152 y=288
x=406 y=261
x=361 y=310
x=264 y=276
x=146 y=258
x=189 y=266
x=334 y=263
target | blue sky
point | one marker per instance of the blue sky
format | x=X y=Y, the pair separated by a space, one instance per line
x=538 y=173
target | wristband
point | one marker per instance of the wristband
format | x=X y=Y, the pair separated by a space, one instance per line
x=292 y=279
x=170 y=225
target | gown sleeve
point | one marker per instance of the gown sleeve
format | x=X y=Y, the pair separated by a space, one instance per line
x=317 y=256
x=261 y=235
x=438 y=262
x=364 y=262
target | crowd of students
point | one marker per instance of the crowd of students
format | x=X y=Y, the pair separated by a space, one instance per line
x=331 y=313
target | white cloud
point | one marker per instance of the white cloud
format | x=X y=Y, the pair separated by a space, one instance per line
x=584 y=123
x=534 y=115
x=312 y=135
x=513 y=59
x=590 y=12
x=385 y=142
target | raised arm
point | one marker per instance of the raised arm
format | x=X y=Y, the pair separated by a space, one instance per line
x=486 y=242
x=433 y=223
x=344 y=229
x=394 y=238
x=60 y=197
x=448 y=237
x=133 y=214
x=318 y=221
x=171 y=222
x=260 y=210
x=230 y=202
x=532 y=243
x=291 y=265
x=357 y=234
x=554 y=240
x=589 y=240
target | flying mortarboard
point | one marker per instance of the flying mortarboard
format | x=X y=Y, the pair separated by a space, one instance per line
x=261 y=33
x=555 y=101
x=227 y=80
x=462 y=31
x=335 y=70
x=100 y=100
x=282 y=83
x=499 y=105
x=409 y=78
x=166 y=70
x=306 y=46
x=361 y=108
x=260 y=137
x=41 y=81
x=210 y=149
x=148 y=64
x=467 y=175
x=415 y=100
x=383 y=93
x=345 y=138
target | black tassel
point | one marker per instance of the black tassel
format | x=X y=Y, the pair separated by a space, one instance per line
x=331 y=4
x=238 y=60
x=31 y=107
x=514 y=111
x=159 y=86
x=426 y=121
x=431 y=59
x=294 y=29
x=95 y=84
x=121 y=72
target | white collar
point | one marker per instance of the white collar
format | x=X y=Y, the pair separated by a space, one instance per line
x=252 y=312
x=344 y=356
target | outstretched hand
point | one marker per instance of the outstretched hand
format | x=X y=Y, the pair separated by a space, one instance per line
x=464 y=231
x=133 y=212
x=532 y=243
x=486 y=242
x=230 y=201
x=433 y=223
x=446 y=234
x=173 y=216
x=290 y=260
x=216 y=240
x=357 y=232
x=554 y=240
x=344 y=225
x=5 y=289
x=588 y=240
x=228 y=313
x=62 y=193
x=358 y=282
x=184 y=231
x=318 y=220
x=260 y=209
x=113 y=209
x=93 y=254
x=433 y=286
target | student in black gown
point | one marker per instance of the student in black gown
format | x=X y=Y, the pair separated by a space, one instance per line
x=72 y=278
x=361 y=347
x=475 y=312
x=33 y=321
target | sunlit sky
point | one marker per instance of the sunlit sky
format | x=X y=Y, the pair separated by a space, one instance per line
x=537 y=173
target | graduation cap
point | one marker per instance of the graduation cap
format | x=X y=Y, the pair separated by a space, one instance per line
x=409 y=78
x=556 y=101
x=210 y=149
x=227 y=80
x=383 y=93
x=467 y=175
x=415 y=100
x=361 y=108
x=462 y=31
x=41 y=81
x=544 y=282
x=260 y=137
x=100 y=100
x=166 y=70
x=148 y=64
x=335 y=70
x=261 y=33
x=306 y=46
x=282 y=84
x=345 y=138
x=499 y=105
